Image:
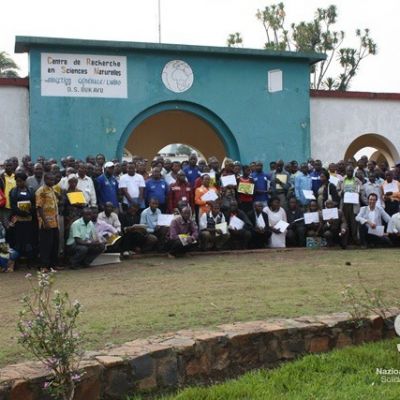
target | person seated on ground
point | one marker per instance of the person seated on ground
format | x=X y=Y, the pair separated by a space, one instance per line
x=261 y=231
x=149 y=218
x=239 y=227
x=204 y=206
x=393 y=229
x=8 y=256
x=296 y=231
x=370 y=219
x=135 y=237
x=82 y=244
x=211 y=236
x=109 y=216
x=276 y=214
x=183 y=234
x=334 y=231
x=314 y=229
x=105 y=232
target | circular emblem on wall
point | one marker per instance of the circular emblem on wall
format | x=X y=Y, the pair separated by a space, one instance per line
x=177 y=76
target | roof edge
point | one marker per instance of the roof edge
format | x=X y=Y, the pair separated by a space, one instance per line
x=24 y=82
x=354 y=95
x=24 y=43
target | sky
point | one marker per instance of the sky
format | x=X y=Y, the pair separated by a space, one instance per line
x=202 y=22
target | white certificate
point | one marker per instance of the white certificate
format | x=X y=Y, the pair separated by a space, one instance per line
x=260 y=223
x=330 y=213
x=165 y=219
x=209 y=196
x=236 y=223
x=223 y=227
x=377 y=231
x=228 y=180
x=311 y=218
x=334 y=180
x=390 y=187
x=282 y=226
x=351 y=198
x=309 y=194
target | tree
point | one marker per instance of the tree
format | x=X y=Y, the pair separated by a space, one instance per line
x=235 y=40
x=8 y=68
x=183 y=149
x=318 y=35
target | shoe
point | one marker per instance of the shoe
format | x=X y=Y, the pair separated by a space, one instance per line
x=126 y=254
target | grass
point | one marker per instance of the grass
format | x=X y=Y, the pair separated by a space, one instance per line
x=348 y=374
x=138 y=298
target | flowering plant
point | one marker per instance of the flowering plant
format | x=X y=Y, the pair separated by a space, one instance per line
x=47 y=327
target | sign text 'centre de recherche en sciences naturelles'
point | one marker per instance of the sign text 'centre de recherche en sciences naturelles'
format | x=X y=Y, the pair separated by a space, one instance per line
x=83 y=75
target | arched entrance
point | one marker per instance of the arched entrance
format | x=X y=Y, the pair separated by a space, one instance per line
x=384 y=148
x=178 y=122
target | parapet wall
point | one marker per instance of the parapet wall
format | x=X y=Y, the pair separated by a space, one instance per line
x=196 y=357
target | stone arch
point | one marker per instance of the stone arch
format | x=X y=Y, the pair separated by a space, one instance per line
x=178 y=122
x=385 y=148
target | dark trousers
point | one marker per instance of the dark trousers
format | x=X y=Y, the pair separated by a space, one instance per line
x=177 y=248
x=239 y=239
x=333 y=236
x=48 y=247
x=348 y=212
x=296 y=236
x=259 y=240
x=83 y=255
x=366 y=239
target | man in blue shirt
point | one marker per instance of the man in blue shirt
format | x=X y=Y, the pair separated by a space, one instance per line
x=261 y=184
x=192 y=171
x=316 y=176
x=107 y=187
x=302 y=182
x=149 y=217
x=157 y=188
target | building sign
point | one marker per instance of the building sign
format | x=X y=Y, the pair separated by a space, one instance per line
x=83 y=75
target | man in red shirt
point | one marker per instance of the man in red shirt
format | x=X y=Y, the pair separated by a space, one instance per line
x=180 y=190
x=246 y=190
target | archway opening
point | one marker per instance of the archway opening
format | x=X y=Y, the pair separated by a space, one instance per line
x=376 y=147
x=174 y=127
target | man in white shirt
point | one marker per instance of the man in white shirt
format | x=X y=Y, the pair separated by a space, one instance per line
x=132 y=186
x=85 y=183
x=370 y=219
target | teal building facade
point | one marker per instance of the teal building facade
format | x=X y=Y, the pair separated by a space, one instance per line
x=89 y=97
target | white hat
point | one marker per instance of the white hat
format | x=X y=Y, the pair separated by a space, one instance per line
x=108 y=164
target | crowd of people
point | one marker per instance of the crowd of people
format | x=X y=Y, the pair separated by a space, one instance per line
x=78 y=209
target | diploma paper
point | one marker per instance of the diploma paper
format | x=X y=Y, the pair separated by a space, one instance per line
x=228 y=180
x=330 y=213
x=209 y=196
x=236 y=223
x=311 y=218
x=282 y=226
x=377 y=231
x=282 y=178
x=390 y=187
x=260 y=222
x=351 y=198
x=165 y=219
x=334 y=180
x=309 y=194
x=76 y=198
x=246 y=188
x=223 y=227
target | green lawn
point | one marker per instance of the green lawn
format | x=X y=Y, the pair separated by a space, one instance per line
x=348 y=374
x=154 y=295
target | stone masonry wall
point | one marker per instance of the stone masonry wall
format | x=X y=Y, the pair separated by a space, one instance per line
x=198 y=357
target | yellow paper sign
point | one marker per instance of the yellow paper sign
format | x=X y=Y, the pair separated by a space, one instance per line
x=76 y=198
